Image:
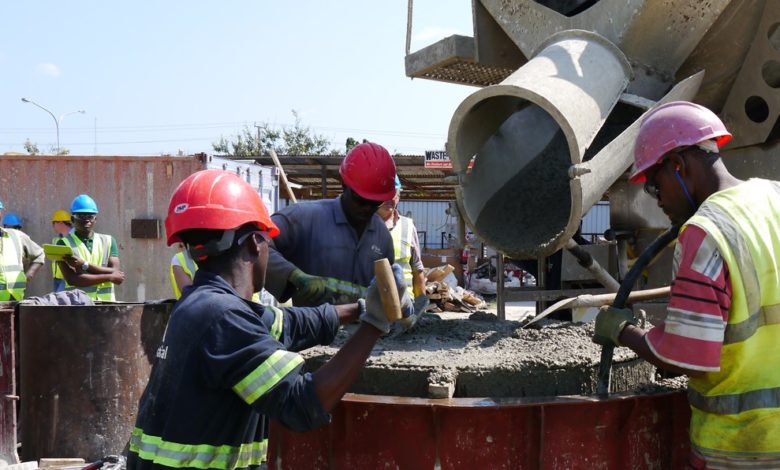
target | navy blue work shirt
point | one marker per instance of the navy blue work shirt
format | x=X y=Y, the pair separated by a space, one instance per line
x=317 y=238
x=225 y=366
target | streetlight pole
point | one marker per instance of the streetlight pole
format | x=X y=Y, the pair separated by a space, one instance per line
x=56 y=121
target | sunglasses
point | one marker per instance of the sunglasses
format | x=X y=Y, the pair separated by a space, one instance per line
x=263 y=236
x=361 y=201
x=84 y=217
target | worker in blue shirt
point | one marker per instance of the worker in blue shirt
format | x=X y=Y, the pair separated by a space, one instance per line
x=327 y=248
x=227 y=364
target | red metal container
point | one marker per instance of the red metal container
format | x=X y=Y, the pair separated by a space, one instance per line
x=624 y=431
x=83 y=370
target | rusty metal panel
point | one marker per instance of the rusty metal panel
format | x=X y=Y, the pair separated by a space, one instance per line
x=124 y=188
x=83 y=370
x=7 y=386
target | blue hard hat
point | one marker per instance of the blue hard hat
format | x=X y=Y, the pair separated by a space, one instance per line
x=397 y=182
x=12 y=220
x=83 y=204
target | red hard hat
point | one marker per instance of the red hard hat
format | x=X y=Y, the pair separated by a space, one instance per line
x=369 y=170
x=674 y=125
x=216 y=200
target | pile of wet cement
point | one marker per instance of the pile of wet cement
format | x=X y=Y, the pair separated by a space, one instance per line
x=487 y=357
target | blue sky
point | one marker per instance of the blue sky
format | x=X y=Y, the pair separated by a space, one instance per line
x=163 y=77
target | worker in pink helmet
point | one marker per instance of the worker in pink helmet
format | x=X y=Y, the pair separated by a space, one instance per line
x=327 y=248
x=722 y=326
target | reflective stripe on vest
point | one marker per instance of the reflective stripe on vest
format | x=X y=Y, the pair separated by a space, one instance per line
x=267 y=374
x=736 y=411
x=187 y=265
x=172 y=454
x=13 y=281
x=403 y=236
x=101 y=249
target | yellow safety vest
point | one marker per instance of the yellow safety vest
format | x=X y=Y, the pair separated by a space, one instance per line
x=403 y=237
x=190 y=268
x=13 y=281
x=101 y=248
x=187 y=265
x=55 y=268
x=736 y=411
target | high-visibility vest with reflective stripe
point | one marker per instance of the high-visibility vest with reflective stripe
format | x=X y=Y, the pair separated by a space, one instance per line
x=101 y=248
x=736 y=411
x=176 y=455
x=13 y=281
x=55 y=268
x=403 y=236
x=187 y=265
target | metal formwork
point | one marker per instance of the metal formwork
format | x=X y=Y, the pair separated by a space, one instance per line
x=83 y=370
x=622 y=432
x=8 y=395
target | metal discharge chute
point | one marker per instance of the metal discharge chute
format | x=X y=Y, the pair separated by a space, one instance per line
x=524 y=135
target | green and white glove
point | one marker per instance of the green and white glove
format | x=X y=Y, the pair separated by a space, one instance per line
x=311 y=289
x=610 y=323
x=374 y=313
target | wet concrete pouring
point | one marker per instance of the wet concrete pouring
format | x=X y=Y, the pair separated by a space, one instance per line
x=483 y=356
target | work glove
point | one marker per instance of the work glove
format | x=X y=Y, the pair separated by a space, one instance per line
x=311 y=289
x=374 y=313
x=610 y=323
x=420 y=303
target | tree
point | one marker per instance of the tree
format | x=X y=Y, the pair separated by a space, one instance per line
x=292 y=140
x=31 y=147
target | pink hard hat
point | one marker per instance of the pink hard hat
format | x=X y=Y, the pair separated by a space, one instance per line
x=670 y=126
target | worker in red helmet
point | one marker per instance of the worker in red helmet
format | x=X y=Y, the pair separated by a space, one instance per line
x=722 y=326
x=227 y=364
x=327 y=248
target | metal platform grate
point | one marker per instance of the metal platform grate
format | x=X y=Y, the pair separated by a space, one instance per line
x=466 y=72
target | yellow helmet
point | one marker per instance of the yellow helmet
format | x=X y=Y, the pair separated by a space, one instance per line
x=60 y=216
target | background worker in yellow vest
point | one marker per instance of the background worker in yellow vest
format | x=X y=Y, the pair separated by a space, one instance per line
x=16 y=248
x=60 y=222
x=405 y=242
x=182 y=273
x=722 y=326
x=94 y=266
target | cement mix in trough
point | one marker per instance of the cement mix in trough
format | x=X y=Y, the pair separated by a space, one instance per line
x=486 y=357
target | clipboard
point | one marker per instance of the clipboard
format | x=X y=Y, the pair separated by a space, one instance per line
x=56 y=252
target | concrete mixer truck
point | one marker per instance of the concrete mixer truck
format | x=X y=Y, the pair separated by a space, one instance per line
x=562 y=87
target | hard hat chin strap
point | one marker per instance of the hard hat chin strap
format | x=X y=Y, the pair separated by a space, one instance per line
x=685 y=190
x=213 y=247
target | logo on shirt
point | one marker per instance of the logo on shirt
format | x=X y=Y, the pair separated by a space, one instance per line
x=162 y=352
x=180 y=208
x=376 y=249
